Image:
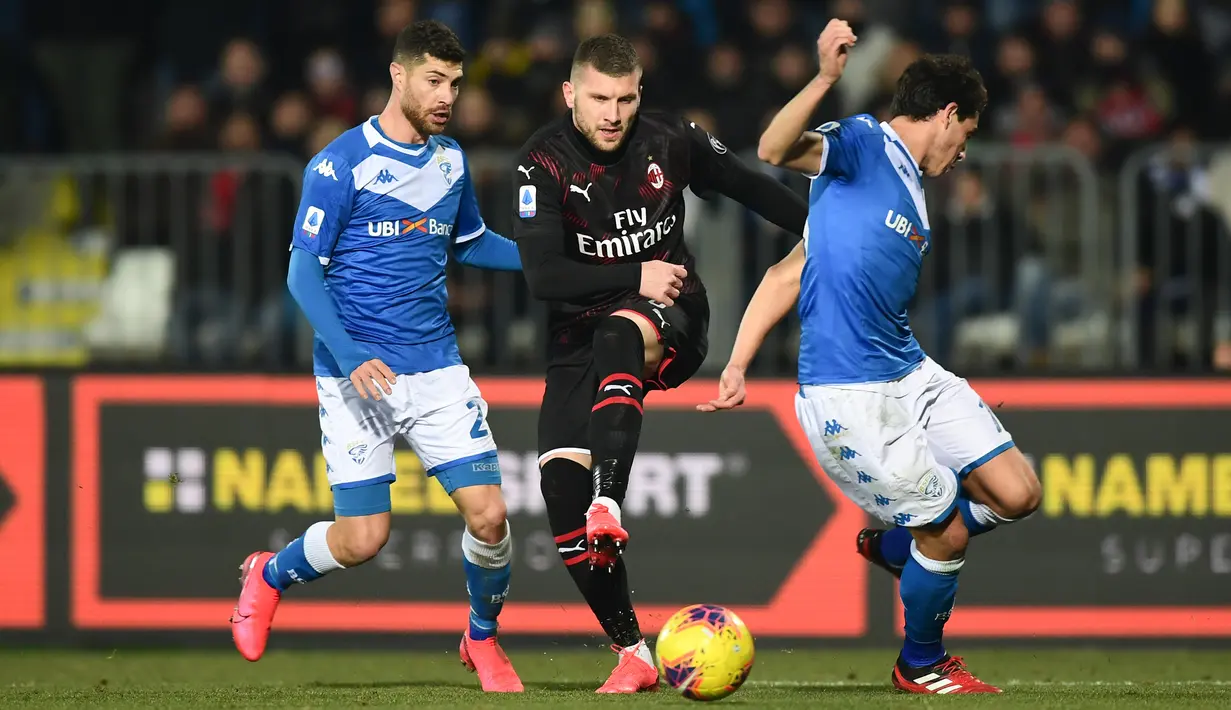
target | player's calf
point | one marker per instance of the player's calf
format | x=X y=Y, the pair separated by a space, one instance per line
x=487 y=552
x=614 y=431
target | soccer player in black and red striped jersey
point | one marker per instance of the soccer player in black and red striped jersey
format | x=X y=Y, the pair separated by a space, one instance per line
x=600 y=229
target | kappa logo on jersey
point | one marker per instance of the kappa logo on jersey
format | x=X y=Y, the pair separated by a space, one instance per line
x=584 y=193
x=312 y=221
x=527 y=201
x=655 y=174
x=325 y=168
x=385 y=177
x=400 y=227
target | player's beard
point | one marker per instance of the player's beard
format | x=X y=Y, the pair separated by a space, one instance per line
x=421 y=117
x=595 y=135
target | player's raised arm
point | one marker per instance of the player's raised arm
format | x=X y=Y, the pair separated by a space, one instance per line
x=716 y=168
x=540 y=232
x=473 y=243
x=787 y=142
x=770 y=303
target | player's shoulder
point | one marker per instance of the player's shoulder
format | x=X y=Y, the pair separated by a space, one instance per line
x=547 y=137
x=447 y=143
x=351 y=147
x=860 y=125
x=664 y=121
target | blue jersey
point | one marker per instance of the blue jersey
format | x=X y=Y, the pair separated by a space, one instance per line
x=381 y=216
x=866 y=236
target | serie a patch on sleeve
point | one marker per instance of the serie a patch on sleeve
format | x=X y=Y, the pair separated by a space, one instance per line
x=527 y=201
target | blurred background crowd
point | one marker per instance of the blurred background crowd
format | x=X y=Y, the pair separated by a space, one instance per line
x=153 y=148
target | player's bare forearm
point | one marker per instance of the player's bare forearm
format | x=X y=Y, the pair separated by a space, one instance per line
x=774 y=298
x=787 y=142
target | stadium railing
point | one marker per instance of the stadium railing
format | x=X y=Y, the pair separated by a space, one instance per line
x=178 y=262
x=1174 y=203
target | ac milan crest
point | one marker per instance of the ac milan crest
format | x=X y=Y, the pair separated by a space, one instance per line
x=655 y=175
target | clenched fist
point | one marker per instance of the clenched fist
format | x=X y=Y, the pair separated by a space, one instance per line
x=661 y=281
x=831 y=48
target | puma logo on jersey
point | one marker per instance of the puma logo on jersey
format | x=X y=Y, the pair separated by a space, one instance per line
x=662 y=321
x=626 y=389
x=584 y=193
x=525 y=171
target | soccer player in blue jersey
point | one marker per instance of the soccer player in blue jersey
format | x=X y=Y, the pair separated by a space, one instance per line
x=383 y=207
x=907 y=440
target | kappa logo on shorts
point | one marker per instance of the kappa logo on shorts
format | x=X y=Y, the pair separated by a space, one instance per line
x=358 y=451
x=931 y=486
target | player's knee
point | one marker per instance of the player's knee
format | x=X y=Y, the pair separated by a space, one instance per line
x=616 y=333
x=943 y=541
x=954 y=539
x=487 y=521
x=1024 y=496
x=359 y=539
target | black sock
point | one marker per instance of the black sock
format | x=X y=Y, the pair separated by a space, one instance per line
x=615 y=420
x=567 y=492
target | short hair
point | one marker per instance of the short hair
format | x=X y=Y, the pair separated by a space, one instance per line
x=934 y=81
x=609 y=54
x=425 y=38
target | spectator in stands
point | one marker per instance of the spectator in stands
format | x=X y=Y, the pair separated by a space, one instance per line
x=990 y=264
x=240 y=82
x=1181 y=58
x=1183 y=251
x=328 y=88
x=289 y=124
x=185 y=122
x=1129 y=99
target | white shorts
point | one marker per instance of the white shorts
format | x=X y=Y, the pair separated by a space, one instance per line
x=440 y=414
x=900 y=449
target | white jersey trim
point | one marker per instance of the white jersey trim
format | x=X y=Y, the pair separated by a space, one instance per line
x=472 y=235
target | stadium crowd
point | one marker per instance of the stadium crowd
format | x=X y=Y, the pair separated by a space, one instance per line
x=1102 y=77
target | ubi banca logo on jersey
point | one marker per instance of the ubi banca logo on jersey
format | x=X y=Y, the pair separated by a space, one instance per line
x=399 y=227
x=903 y=226
x=628 y=242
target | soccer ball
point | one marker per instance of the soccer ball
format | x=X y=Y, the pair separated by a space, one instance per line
x=705 y=652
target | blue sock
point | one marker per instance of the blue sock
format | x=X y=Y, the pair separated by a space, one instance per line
x=895 y=546
x=306 y=558
x=928 y=589
x=487 y=581
x=979 y=519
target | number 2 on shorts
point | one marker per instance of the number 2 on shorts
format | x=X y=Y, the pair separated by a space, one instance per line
x=990 y=413
x=477 y=431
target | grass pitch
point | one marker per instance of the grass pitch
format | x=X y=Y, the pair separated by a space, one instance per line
x=566 y=677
